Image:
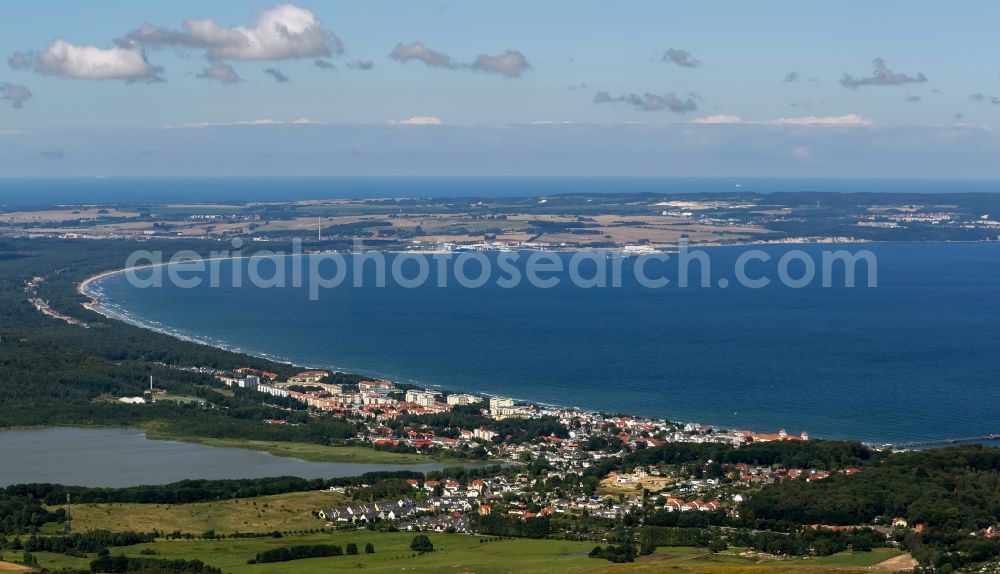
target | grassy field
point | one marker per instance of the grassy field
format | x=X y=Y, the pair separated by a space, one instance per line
x=700 y=561
x=284 y=512
x=467 y=555
x=453 y=553
x=307 y=451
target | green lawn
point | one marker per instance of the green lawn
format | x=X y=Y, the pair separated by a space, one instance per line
x=453 y=553
x=55 y=561
x=858 y=558
x=458 y=553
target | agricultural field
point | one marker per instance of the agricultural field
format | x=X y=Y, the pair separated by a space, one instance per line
x=738 y=561
x=458 y=553
x=283 y=512
x=452 y=553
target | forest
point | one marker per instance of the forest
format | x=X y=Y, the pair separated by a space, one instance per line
x=53 y=373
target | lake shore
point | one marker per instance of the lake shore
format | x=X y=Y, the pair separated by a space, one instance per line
x=307 y=452
x=122 y=457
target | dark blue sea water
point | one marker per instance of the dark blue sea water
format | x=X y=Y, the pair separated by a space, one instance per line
x=916 y=357
x=131 y=190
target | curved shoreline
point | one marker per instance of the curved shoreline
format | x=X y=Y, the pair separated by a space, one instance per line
x=94 y=304
x=97 y=304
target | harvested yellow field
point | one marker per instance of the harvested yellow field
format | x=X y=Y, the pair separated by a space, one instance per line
x=282 y=512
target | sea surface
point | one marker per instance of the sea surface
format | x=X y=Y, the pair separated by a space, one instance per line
x=916 y=357
x=117 y=458
x=133 y=190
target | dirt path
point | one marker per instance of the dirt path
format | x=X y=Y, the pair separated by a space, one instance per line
x=11 y=567
x=901 y=563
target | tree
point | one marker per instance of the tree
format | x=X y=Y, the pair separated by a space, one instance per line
x=369 y=548
x=30 y=560
x=351 y=548
x=421 y=543
x=717 y=545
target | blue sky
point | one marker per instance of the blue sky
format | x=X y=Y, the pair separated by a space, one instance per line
x=513 y=88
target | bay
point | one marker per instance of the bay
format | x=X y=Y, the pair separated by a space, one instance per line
x=915 y=358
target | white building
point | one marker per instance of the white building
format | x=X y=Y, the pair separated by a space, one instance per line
x=250 y=382
x=273 y=391
x=502 y=407
x=422 y=398
x=376 y=387
x=306 y=377
x=497 y=403
x=376 y=399
x=484 y=434
x=462 y=399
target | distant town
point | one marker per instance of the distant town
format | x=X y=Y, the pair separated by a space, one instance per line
x=636 y=222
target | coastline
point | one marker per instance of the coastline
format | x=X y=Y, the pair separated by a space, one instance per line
x=300 y=451
x=94 y=304
x=87 y=287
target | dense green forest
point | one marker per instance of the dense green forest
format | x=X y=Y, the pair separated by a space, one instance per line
x=818 y=454
x=951 y=493
x=55 y=373
x=953 y=488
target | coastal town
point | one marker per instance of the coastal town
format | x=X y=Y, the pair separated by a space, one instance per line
x=542 y=471
x=555 y=470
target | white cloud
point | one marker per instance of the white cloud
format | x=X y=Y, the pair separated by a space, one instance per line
x=511 y=63
x=844 y=120
x=259 y=122
x=220 y=71
x=417 y=121
x=881 y=76
x=680 y=57
x=652 y=102
x=285 y=31
x=419 y=51
x=68 y=60
x=16 y=94
x=719 y=119
x=21 y=60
